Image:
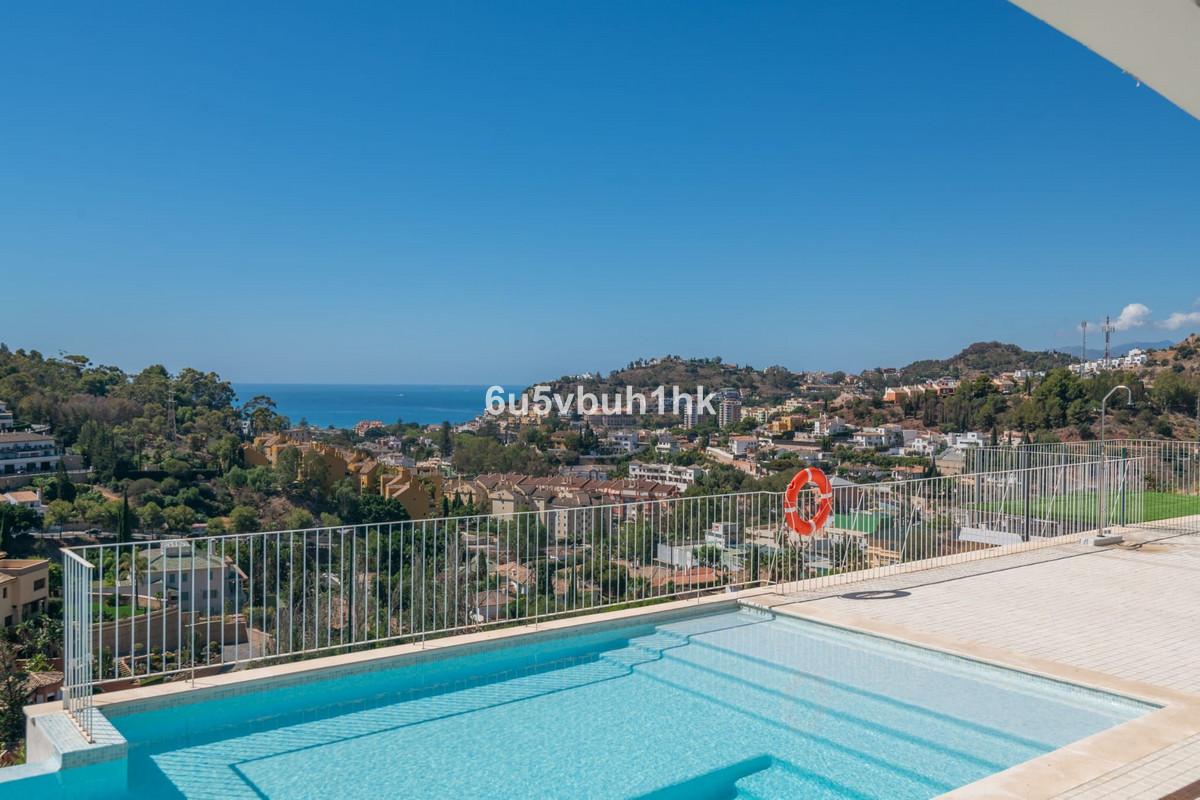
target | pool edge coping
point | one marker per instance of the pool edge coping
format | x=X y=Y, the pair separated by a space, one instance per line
x=148 y=698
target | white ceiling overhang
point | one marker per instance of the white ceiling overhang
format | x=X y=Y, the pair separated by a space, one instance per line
x=1157 y=41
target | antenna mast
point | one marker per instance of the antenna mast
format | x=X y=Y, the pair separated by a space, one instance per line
x=171 y=409
x=1107 y=342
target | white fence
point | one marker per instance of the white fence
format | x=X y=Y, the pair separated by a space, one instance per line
x=1166 y=491
x=157 y=610
x=77 y=645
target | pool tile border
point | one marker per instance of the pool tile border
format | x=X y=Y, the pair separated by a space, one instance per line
x=149 y=698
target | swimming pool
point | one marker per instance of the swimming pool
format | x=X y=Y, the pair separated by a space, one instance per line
x=735 y=704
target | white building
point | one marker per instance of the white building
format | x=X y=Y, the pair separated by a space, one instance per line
x=666 y=446
x=1132 y=360
x=882 y=436
x=6 y=418
x=625 y=441
x=964 y=440
x=826 y=425
x=670 y=474
x=196 y=581
x=27 y=453
x=742 y=446
x=26 y=498
x=926 y=445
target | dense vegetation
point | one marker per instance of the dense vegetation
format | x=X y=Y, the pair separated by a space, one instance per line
x=165 y=452
x=989 y=358
x=768 y=385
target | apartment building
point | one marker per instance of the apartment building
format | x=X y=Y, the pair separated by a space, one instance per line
x=669 y=474
x=742 y=446
x=624 y=441
x=27 y=453
x=418 y=490
x=729 y=410
x=24 y=588
x=6 y=418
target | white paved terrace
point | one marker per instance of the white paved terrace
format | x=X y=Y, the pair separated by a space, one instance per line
x=1123 y=617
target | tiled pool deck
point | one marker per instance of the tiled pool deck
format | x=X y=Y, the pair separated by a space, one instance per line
x=1123 y=618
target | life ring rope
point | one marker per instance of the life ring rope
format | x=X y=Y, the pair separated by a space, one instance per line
x=791 y=506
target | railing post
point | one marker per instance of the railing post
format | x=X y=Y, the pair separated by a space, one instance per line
x=1022 y=463
x=1124 y=481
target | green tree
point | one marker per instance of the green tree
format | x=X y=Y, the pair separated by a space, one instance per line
x=125 y=520
x=228 y=452
x=18 y=519
x=243 y=519
x=298 y=518
x=1175 y=392
x=315 y=473
x=12 y=697
x=259 y=411
x=377 y=508
x=150 y=516
x=707 y=555
x=59 y=512
x=178 y=518
x=446 y=441
x=287 y=466
x=63 y=488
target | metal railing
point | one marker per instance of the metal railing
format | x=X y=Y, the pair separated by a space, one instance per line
x=77 y=645
x=1169 y=486
x=200 y=604
x=177 y=608
x=878 y=529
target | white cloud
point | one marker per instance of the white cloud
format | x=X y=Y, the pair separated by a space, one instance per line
x=1181 y=319
x=1134 y=315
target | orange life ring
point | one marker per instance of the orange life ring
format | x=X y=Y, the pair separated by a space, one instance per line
x=791 y=512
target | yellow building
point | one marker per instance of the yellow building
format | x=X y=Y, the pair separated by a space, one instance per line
x=23 y=588
x=421 y=496
x=420 y=491
x=367 y=472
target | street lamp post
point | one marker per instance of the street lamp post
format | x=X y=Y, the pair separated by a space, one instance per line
x=1102 y=533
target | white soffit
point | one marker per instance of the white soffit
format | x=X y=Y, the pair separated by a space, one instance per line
x=1157 y=41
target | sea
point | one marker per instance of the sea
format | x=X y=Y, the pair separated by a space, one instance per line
x=343 y=405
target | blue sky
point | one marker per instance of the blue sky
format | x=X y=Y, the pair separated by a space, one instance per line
x=469 y=192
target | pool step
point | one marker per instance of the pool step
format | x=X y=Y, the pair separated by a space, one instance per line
x=881 y=759
x=892 y=680
x=780 y=782
x=817 y=697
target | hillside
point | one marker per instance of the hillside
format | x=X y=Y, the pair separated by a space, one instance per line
x=1180 y=358
x=982 y=358
x=772 y=383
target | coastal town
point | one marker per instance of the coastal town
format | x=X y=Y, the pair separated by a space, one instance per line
x=574 y=486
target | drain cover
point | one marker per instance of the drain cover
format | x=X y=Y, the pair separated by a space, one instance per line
x=883 y=594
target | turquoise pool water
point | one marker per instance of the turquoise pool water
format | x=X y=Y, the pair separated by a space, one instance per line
x=737 y=704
